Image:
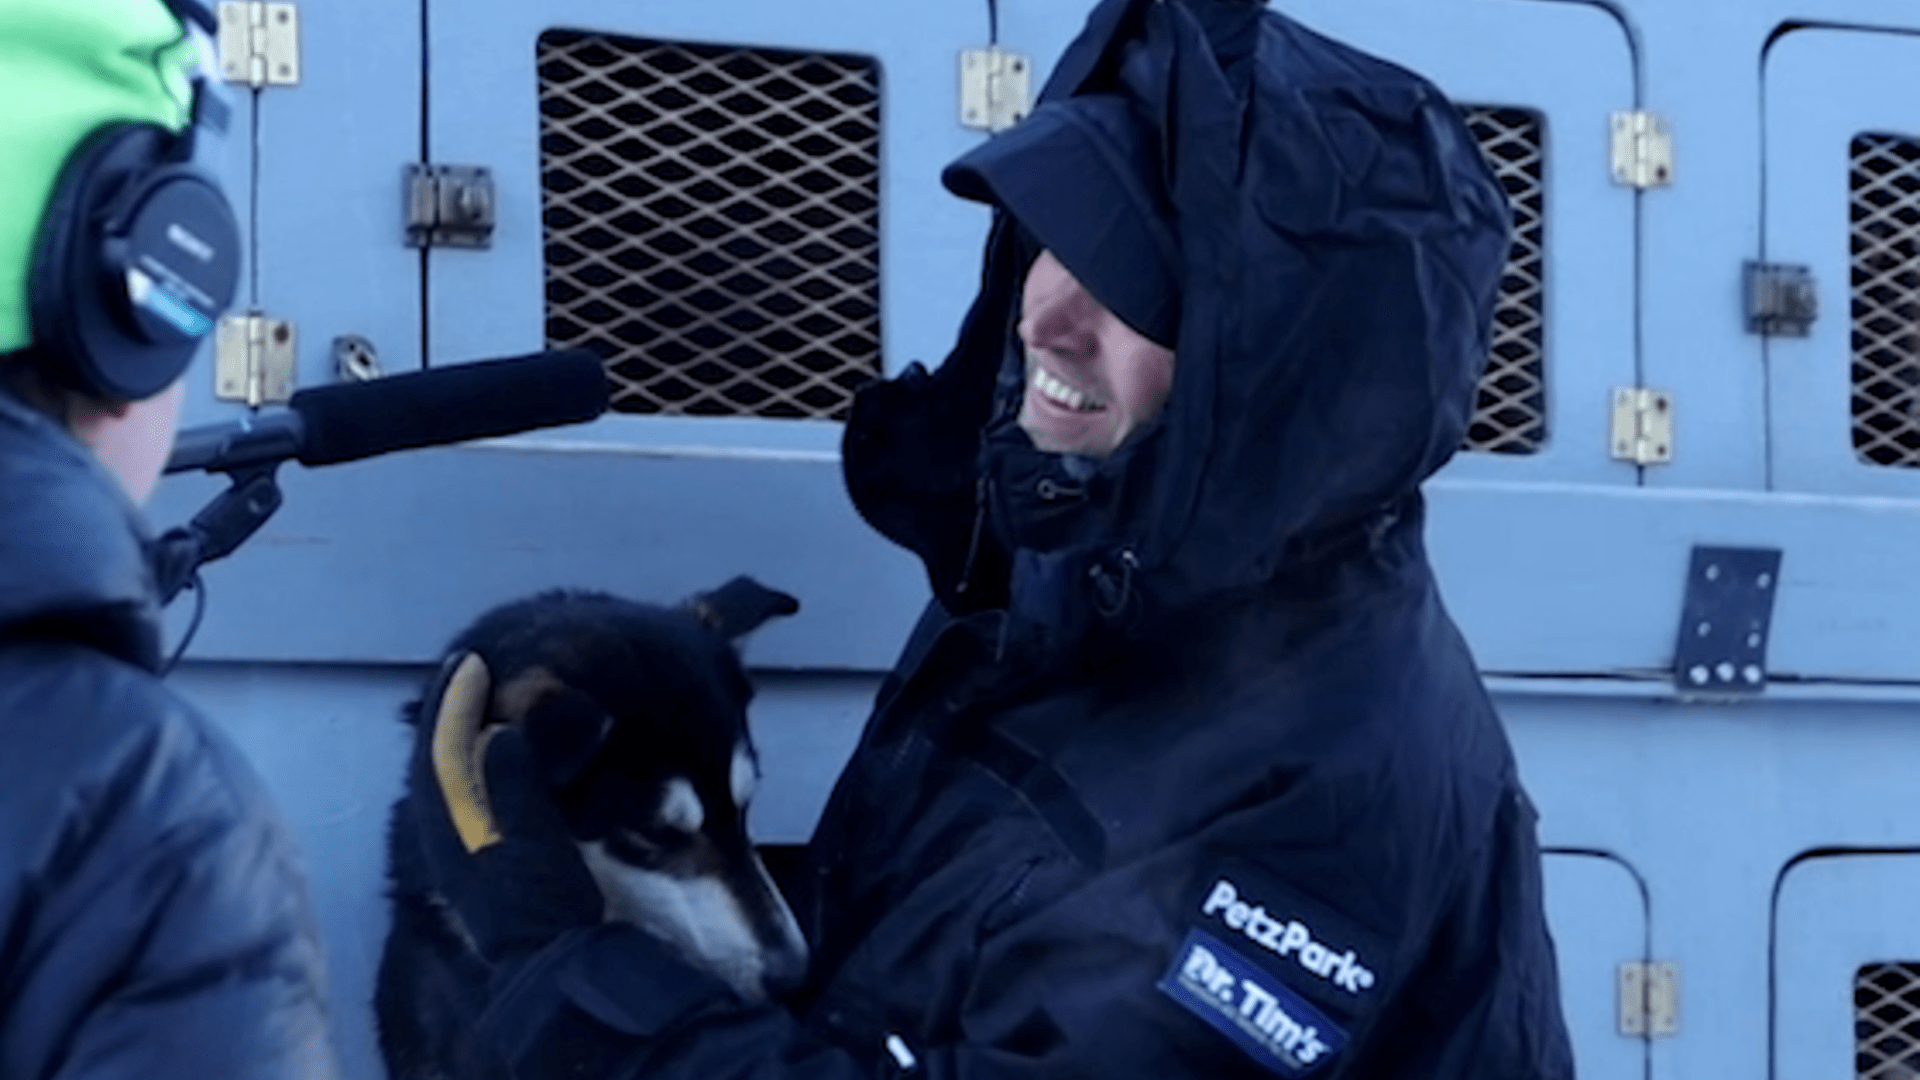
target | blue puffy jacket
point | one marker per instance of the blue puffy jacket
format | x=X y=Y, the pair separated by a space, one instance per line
x=153 y=917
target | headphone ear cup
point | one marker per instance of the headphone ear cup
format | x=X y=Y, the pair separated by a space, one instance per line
x=111 y=300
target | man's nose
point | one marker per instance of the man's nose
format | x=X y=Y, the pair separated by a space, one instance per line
x=1060 y=327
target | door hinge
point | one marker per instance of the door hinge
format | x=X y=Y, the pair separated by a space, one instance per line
x=1649 y=1000
x=1781 y=299
x=1642 y=426
x=1642 y=150
x=996 y=88
x=260 y=43
x=449 y=206
x=253 y=359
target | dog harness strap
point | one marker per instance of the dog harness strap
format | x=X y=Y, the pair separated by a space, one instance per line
x=459 y=748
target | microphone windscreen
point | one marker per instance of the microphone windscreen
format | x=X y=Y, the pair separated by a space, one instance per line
x=449 y=405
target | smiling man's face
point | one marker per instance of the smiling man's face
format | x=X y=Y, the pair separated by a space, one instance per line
x=1091 y=379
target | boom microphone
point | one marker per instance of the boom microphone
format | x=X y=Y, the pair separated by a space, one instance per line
x=327 y=425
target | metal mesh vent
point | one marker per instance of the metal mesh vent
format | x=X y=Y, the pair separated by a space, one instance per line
x=712 y=222
x=1510 y=416
x=1886 y=1021
x=1885 y=187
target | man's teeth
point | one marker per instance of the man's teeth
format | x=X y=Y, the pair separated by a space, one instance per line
x=1059 y=392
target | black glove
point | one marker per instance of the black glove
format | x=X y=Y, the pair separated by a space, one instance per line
x=495 y=844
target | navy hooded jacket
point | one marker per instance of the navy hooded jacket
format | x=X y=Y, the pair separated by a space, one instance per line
x=1186 y=772
x=153 y=915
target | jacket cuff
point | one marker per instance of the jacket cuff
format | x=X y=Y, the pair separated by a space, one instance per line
x=594 y=999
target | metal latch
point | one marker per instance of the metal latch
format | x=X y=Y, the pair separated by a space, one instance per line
x=1725 y=621
x=1642 y=150
x=253 y=359
x=1642 y=426
x=356 y=360
x=1649 y=1000
x=449 y=206
x=1781 y=299
x=996 y=88
x=260 y=44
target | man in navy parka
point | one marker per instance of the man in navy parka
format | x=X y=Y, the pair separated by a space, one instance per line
x=1186 y=771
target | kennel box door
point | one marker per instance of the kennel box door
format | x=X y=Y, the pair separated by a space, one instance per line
x=1537 y=82
x=1597 y=914
x=1842 y=172
x=737 y=206
x=1846 y=973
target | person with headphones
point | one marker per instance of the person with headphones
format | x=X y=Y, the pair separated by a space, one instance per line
x=154 y=919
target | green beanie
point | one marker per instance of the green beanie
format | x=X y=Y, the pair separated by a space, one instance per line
x=66 y=68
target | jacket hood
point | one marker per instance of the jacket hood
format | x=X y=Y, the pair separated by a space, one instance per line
x=73 y=559
x=1341 y=240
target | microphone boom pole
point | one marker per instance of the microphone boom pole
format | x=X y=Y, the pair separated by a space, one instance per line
x=331 y=424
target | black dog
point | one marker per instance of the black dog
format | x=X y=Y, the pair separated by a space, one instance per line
x=636 y=715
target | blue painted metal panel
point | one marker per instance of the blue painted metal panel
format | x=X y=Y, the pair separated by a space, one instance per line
x=1572 y=63
x=380 y=561
x=1709 y=803
x=805 y=727
x=1824 y=87
x=1542 y=576
x=328 y=229
x=1834 y=915
x=1700 y=73
x=1598 y=916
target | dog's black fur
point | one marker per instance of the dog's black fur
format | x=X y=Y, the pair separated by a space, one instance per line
x=616 y=699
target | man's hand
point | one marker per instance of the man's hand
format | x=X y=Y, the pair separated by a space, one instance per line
x=495 y=844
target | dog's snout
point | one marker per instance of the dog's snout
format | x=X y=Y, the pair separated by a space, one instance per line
x=786 y=967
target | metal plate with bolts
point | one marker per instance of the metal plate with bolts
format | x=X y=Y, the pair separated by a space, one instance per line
x=260 y=43
x=996 y=88
x=253 y=359
x=1642 y=150
x=1642 y=426
x=1649 y=1000
x=1725 y=621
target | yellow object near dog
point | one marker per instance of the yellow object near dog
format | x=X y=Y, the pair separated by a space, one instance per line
x=460 y=752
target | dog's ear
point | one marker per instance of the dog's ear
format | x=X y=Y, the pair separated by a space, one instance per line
x=740 y=606
x=564 y=727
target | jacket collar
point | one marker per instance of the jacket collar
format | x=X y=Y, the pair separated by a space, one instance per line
x=73 y=559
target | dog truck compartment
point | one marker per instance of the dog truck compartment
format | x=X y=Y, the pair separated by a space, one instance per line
x=1680 y=538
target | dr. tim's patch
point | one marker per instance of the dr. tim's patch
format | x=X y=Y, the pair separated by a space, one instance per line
x=1252 y=1008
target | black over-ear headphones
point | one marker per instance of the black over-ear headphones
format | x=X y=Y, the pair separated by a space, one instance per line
x=137 y=257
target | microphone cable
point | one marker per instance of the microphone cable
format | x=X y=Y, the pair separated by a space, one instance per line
x=199 y=612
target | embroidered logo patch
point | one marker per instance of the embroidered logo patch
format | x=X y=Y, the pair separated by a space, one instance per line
x=1250 y=1007
x=1286 y=938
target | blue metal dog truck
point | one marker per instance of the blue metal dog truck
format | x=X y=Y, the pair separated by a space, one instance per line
x=1684 y=540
